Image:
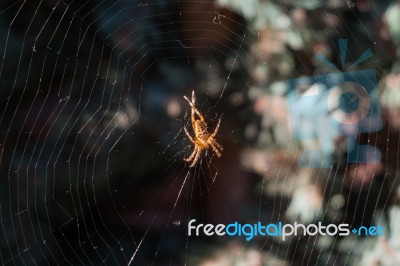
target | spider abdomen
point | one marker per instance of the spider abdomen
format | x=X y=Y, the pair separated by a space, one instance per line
x=201 y=133
x=201 y=130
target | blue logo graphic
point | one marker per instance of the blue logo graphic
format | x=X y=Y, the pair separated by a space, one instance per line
x=368 y=231
x=323 y=108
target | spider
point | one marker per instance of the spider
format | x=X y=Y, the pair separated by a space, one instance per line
x=203 y=139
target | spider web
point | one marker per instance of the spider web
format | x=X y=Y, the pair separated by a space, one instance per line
x=92 y=141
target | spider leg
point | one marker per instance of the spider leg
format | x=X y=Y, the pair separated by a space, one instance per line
x=194 y=109
x=219 y=146
x=196 y=158
x=188 y=135
x=193 y=120
x=190 y=158
x=190 y=103
x=216 y=151
x=193 y=98
x=198 y=114
x=216 y=128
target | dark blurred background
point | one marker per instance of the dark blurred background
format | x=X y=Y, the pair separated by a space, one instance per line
x=92 y=142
